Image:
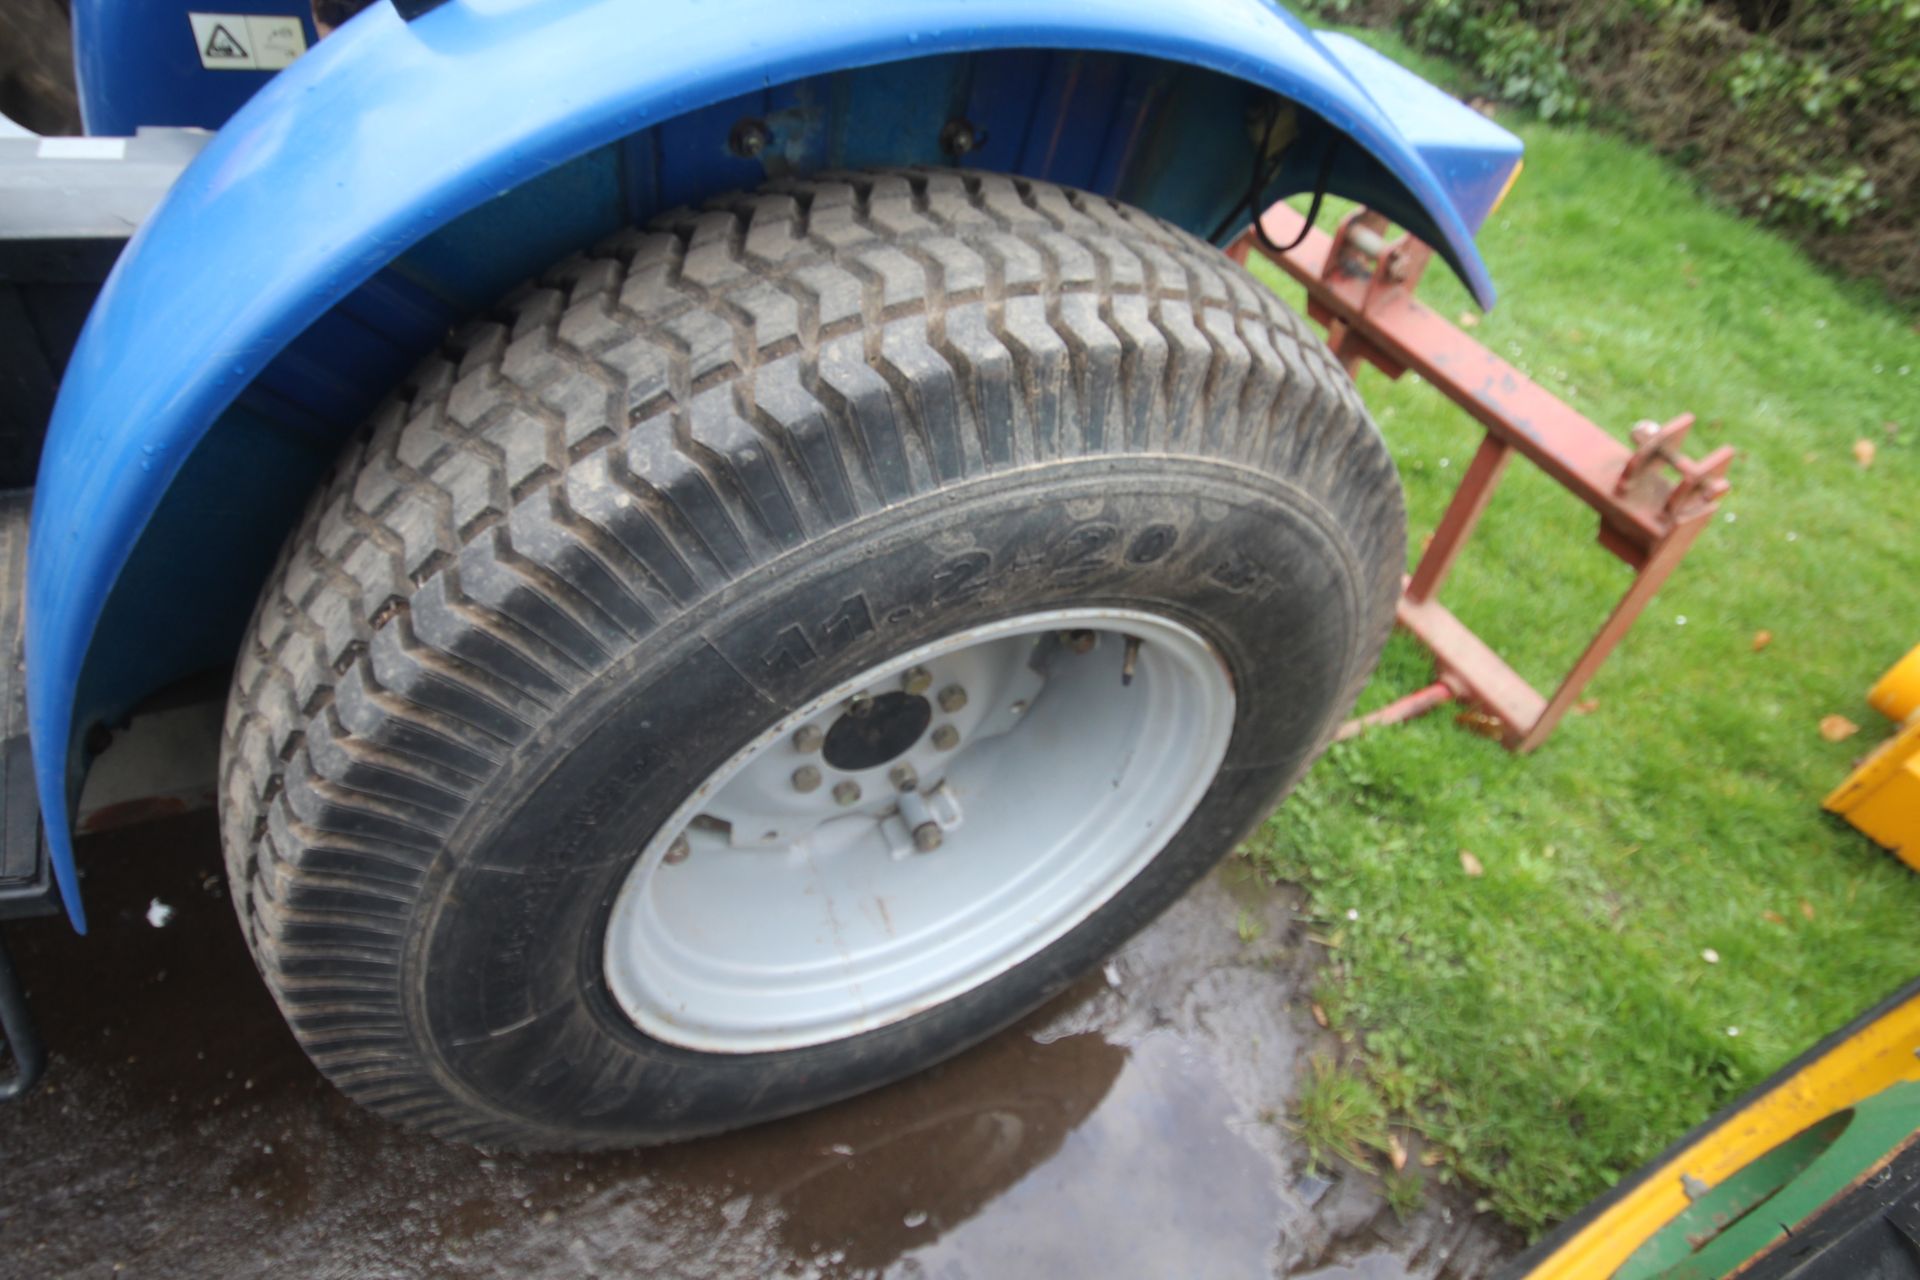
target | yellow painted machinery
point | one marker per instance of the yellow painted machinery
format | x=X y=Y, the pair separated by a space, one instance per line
x=1815 y=1175
x=1882 y=796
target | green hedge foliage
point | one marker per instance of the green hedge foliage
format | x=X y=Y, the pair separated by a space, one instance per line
x=1804 y=113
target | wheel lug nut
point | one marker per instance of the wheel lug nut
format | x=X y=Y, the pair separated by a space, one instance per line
x=1078 y=641
x=860 y=705
x=808 y=739
x=678 y=850
x=917 y=680
x=903 y=778
x=846 y=793
x=952 y=698
x=927 y=837
x=806 y=778
x=946 y=737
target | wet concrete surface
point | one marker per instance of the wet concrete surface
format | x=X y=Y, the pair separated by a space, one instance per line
x=1135 y=1127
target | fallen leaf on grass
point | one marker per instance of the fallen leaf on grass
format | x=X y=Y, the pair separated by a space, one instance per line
x=1396 y=1152
x=1863 y=451
x=1319 y=1014
x=1773 y=917
x=1761 y=639
x=1837 y=728
x=1470 y=864
x=1468 y=320
x=1806 y=908
x=1477 y=721
x=1587 y=706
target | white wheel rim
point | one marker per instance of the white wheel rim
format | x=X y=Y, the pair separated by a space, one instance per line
x=766 y=916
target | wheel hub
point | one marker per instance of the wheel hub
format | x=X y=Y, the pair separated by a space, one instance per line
x=876 y=730
x=918 y=830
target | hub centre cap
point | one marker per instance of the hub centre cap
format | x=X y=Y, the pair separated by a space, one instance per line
x=919 y=830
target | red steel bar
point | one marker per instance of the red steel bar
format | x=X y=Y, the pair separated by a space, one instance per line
x=1652 y=499
x=1463 y=513
x=1400 y=710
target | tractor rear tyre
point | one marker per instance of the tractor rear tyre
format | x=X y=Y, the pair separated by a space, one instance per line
x=780 y=647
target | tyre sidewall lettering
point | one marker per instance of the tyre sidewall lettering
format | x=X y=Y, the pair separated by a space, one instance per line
x=1236 y=555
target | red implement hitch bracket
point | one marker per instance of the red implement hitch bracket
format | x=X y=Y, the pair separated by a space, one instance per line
x=1652 y=499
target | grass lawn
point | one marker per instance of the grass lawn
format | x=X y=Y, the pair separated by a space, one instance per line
x=1551 y=1023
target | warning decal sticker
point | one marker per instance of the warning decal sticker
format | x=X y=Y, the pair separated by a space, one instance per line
x=247 y=41
x=222 y=47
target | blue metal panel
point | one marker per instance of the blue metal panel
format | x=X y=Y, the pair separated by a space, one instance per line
x=479 y=256
x=138 y=63
x=271 y=269
x=1470 y=155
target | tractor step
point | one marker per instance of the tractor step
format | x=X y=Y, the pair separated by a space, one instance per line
x=26 y=878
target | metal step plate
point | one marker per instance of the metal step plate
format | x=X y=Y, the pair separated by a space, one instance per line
x=26 y=887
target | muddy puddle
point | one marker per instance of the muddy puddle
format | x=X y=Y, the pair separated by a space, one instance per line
x=1135 y=1127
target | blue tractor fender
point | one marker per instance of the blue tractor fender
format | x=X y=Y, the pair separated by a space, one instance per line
x=402 y=173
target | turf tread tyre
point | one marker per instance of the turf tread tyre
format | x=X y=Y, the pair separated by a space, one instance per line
x=629 y=433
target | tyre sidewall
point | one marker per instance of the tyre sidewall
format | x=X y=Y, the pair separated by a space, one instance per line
x=504 y=981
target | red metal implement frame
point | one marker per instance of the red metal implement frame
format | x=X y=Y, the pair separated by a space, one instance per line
x=1653 y=501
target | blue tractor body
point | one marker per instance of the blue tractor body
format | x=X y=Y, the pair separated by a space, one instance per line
x=404 y=170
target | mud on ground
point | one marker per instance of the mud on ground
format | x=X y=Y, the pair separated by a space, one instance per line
x=1134 y=1127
